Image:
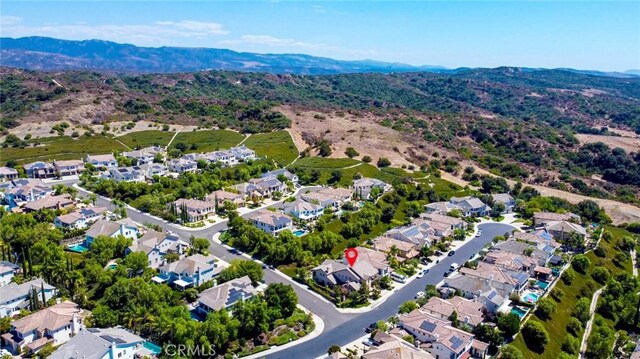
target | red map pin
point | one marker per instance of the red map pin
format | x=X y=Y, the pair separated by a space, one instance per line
x=352 y=255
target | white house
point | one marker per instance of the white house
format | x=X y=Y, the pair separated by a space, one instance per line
x=15 y=297
x=306 y=211
x=144 y=155
x=124 y=227
x=242 y=153
x=103 y=343
x=181 y=165
x=506 y=199
x=8 y=174
x=270 y=222
x=363 y=187
x=329 y=197
x=154 y=169
x=156 y=246
x=226 y=295
x=127 y=174
x=189 y=272
x=40 y=170
x=197 y=210
x=7 y=271
x=99 y=161
x=52 y=325
x=471 y=206
x=293 y=178
x=68 y=168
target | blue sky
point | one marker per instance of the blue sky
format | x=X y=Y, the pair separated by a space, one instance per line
x=584 y=35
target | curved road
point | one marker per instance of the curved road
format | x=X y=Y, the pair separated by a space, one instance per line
x=339 y=328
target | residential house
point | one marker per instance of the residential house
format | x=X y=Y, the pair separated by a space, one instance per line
x=445 y=340
x=562 y=230
x=541 y=219
x=156 y=246
x=123 y=227
x=436 y=230
x=197 y=210
x=406 y=250
x=189 y=272
x=242 y=153
x=362 y=187
x=107 y=161
x=468 y=311
x=79 y=218
x=154 y=169
x=329 y=197
x=68 y=168
x=541 y=239
x=440 y=208
x=506 y=199
x=518 y=247
x=223 y=158
x=267 y=186
x=53 y=325
x=416 y=234
x=39 y=170
x=103 y=343
x=182 y=165
x=15 y=297
x=303 y=210
x=369 y=266
x=225 y=295
x=291 y=177
x=7 y=271
x=50 y=202
x=511 y=261
x=396 y=349
x=222 y=196
x=8 y=173
x=471 y=206
x=499 y=277
x=23 y=190
x=452 y=222
x=144 y=155
x=480 y=290
x=270 y=222
x=127 y=174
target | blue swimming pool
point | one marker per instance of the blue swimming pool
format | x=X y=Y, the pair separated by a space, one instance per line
x=299 y=233
x=519 y=311
x=531 y=298
x=78 y=248
x=542 y=285
x=152 y=348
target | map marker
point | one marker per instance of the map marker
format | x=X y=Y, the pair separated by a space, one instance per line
x=352 y=255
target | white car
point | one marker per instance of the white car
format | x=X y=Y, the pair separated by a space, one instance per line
x=419 y=295
x=479 y=234
x=420 y=274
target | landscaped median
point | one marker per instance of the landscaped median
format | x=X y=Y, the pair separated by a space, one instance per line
x=572 y=297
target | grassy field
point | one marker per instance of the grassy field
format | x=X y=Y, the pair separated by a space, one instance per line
x=210 y=140
x=142 y=139
x=557 y=325
x=274 y=145
x=328 y=163
x=61 y=148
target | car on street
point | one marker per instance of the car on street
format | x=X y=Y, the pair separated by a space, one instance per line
x=419 y=295
x=420 y=274
x=451 y=253
x=373 y=326
x=479 y=233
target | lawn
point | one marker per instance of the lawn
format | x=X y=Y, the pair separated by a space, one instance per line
x=274 y=145
x=61 y=148
x=556 y=326
x=148 y=138
x=207 y=141
x=323 y=162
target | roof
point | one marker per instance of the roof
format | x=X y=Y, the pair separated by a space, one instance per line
x=503 y=198
x=5 y=171
x=270 y=218
x=551 y=216
x=452 y=338
x=470 y=284
x=224 y=196
x=102 y=228
x=50 y=318
x=495 y=273
x=442 y=207
x=193 y=204
x=276 y=173
x=301 y=206
x=94 y=343
x=37 y=165
x=6 y=267
x=539 y=238
x=517 y=247
x=385 y=244
x=396 y=349
x=70 y=218
x=101 y=158
x=46 y=202
x=468 y=311
x=227 y=294
x=441 y=218
x=143 y=152
x=509 y=260
x=377 y=259
x=13 y=291
x=368 y=182
x=190 y=265
x=92 y=211
x=468 y=202
x=68 y=163
x=567 y=227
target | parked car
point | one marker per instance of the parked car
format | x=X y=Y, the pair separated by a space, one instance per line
x=479 y=234
x=451 y=253
x=373 y=326
x=419 y=295
x=420 y=274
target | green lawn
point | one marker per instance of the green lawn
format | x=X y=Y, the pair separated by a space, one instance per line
x=323 y=162
x=274 y=145
x=556 y=326
x=61 y=148
x=210 y=140
x=148 y=138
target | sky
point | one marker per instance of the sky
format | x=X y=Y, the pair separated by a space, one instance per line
x=583 y=35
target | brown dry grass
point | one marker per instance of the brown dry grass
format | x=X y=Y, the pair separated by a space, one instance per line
x=629 y=144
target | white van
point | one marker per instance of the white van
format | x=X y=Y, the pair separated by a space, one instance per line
x=399 y=277
x=453 y=267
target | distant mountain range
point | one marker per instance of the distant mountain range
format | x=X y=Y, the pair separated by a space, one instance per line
x=44 y=53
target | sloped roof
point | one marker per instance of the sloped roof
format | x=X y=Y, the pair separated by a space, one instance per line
x=396 y=349
x=268 y=217
x=62 y=200
x=190 y=265
x=94 y=343
x=50 y=318
x=468 y=310
x=227 y=294
x=13 y=291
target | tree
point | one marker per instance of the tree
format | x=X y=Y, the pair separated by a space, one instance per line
x=510 y=352
x=366 y=159
x=535 y=336
x=574 y=326
x=407 y=307
x=351 y=152
x=199 y=244
x=336 y=175
x=570 y=344
x=581 y=310
x=453 y=318
x=239 y=268
x=136 y=261
x=545 y=308
x=509 y=324
x=281 y=299
x=497 y=209
x=580 y=263
x=333 y=349
x=383 y=162
x=600 y=274
x=488 y=334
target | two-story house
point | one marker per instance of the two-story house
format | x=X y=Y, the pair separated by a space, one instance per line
x=221 y=196
x=181 y=165
x=15 y=297
x=362 y=187
x=196 y=209
x=225 y=296
x=302 y=210
x=40 y=170
x=144 y=155
x=68 y=168
x=156 y=246
x=127 y=174
x=79 y=218
x=107 y=161
x=470 y=206
x=8 y=173
x=506 y=199
x=123 y=227
x=103 y=343
x=50 y=202
x=23 y=190
x=7 y=272
x=242 y=153
x=329 y=197
x=189 y=272
x=282 y=174
x=270 y=222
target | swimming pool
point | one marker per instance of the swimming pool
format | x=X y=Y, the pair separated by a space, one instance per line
x=299 y=233
x=78 y=248
x=542 y=285
x=519 y=311
x=152 y=348
x=112 y=266
x=530 y=298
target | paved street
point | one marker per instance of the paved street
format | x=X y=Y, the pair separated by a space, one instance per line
x=339 y=328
